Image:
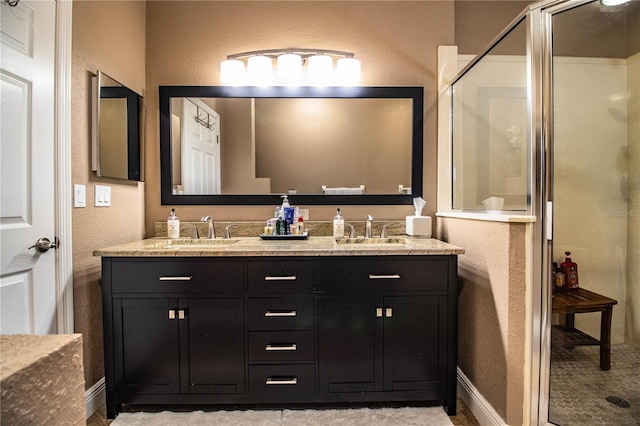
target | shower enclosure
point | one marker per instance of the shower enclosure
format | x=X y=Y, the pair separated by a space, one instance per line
x=545 y=124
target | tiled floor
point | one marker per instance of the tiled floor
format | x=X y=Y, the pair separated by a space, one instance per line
x=579 y=389
x=463 y=418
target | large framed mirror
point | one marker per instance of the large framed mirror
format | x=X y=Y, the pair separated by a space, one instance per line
x=118 y=130
x=322 y=146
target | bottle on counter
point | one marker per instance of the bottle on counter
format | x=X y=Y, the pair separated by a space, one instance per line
x=570 y=271
x=173 y=225
x=338 y=225
x=281 y=226
x=300 y=226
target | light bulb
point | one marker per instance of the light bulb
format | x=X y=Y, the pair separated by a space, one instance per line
x=259 y=70
x=320 y=70
x=348 y=71
x=290 y=68
x=232 y=72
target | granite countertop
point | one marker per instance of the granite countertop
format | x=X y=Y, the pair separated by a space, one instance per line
x=254 y=246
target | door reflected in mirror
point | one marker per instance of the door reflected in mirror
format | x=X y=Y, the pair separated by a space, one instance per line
x=117 y=150
x=290 y=145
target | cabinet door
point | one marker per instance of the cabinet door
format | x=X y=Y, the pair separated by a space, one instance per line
x=212 y=345
x=348 y=330
x=415 y=344
x=146 y=346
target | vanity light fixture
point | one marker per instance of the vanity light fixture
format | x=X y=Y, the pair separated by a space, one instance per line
x=290 y=68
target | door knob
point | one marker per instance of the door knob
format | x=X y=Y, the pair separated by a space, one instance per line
x=43 y=244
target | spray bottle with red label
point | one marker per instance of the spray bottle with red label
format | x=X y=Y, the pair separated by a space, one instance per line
x=570 y=271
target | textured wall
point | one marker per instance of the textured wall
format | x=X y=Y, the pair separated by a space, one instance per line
x=107 y=36
x=491 y=309
x=396 y=42
x=41 y=380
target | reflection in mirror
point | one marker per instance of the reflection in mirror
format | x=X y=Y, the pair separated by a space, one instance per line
x=118 y=130
x=249 y=146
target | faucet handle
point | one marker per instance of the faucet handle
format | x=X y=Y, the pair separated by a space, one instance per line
x=195 y=234
x=227 y=234
x=383 y=233
x=352 y=232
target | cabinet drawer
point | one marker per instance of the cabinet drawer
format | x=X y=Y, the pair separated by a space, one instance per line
x=265 y=346
x=280 y=313
x=284 y=380
x=272 y=276
x=177 y=276
x=383 y=274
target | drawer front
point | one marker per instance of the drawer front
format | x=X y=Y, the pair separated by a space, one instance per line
x=282 y=381
x=177 y=276
x=287 y=276
x=280 y=313
x=383 y=274
x=266 y=346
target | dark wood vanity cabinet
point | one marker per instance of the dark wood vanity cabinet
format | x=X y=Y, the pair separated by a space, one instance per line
x=280 y=330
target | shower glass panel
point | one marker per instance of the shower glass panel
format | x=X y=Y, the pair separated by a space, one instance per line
x=596 y=187
x=490 y=130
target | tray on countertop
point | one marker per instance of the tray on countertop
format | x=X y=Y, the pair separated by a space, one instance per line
x=302 y=236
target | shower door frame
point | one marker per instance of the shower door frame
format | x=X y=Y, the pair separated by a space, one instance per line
x=542 y=113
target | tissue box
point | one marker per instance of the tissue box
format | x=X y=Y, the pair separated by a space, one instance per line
x=418 y=226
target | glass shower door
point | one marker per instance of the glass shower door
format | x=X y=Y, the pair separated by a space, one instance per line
x=595 y=343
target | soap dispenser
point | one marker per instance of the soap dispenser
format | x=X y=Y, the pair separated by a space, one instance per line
x=173 y=225
x=338 y=225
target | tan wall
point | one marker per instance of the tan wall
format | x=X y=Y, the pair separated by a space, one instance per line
x=396 y=42
x=107 y=36
x=491 y=309
x=632 y=323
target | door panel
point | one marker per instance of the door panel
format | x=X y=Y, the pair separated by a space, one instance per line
x=27 y=167
x=212 y=341
x=147 y=338
x=347 y=334
x=415 y=343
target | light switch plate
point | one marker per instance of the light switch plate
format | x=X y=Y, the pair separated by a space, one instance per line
x=305 y=214
x=102 y=196
x=79 y=196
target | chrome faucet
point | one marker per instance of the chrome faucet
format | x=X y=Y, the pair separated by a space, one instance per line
x=211 y=234
x=367 y=229
x=227 y=234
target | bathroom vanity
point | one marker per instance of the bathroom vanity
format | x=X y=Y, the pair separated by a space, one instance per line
x=266 y=323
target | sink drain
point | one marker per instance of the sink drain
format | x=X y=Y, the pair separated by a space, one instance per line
x=616 y=400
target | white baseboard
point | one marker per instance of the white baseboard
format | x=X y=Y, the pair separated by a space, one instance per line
x=479 y=406
x=94 y=397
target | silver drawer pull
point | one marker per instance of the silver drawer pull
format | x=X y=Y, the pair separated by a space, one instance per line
x=280 y=314
x=384 y=277
x=284 y=381
x=281 y=347
x=185 y=278
x=285 y=278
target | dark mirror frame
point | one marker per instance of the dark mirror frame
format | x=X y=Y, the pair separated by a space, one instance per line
x=416 y=94
x=133 y=156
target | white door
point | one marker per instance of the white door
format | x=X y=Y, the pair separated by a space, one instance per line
x=200 y=148
x=27 y=203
